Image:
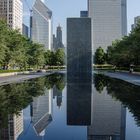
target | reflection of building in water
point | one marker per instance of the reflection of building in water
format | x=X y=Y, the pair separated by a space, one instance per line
x=108 y=118
x=41 y=109
x=58 y=94
x=14 y=128
x=78 y=104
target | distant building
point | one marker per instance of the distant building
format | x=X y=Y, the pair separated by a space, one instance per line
x=136 y=20
x=54 y=42
x=59 y=43
x=41 y=29
x=109 y=21
x=83 y=13
x=11 y=11
x=25 y=30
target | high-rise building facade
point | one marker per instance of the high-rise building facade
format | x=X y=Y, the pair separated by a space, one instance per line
x=11 y=12
x=41 y=24
x=54 y=42
x=59 y=34
x=25 y=30
x=83 y=13
x=59 y=37
x=136 y=20
x=109 y=21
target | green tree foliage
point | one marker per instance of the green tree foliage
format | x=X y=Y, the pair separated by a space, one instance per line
x=99 y=57
x=60 y=55
x=55 y=58
x=125 y=52
x=17 y=51
x=16 y=97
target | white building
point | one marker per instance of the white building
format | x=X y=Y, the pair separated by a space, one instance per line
x=42 y=24
x=109 y=21
x=11 y=11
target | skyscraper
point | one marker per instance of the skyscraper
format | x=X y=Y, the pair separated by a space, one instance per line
x=42 y=24
x=109 y=21
x=83 y=13
x=11 y=11
x=136 y=20
x=59 y=37
x=25 y=30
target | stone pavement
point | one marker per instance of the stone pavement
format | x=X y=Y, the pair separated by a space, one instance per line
x=19 y=78
x=133 y=78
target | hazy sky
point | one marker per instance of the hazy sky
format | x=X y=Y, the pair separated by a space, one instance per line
x=71 y=8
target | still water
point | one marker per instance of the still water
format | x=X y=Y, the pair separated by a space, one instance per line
x=50 y=108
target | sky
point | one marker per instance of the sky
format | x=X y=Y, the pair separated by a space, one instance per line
x=71 y=8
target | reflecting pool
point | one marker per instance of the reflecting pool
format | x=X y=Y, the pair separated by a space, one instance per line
x=52 y=108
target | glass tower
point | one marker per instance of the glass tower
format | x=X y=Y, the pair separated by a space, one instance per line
x=41 y=24
x=109 y=21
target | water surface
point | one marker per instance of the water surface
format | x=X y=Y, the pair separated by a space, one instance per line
x=51 y=108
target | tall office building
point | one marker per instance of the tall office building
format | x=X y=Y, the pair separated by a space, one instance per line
x=25 y=30
x=83 y=13
x=41 y=24
x=109 y=21
x=136 y=20
x=54 y=42
x=11 y=11
x=59 y=37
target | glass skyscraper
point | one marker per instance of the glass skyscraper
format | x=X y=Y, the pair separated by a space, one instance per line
x=109 y=21
x=41 y=24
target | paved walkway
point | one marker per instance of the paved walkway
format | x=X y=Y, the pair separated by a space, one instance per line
x=19 y=78
x=128 y=77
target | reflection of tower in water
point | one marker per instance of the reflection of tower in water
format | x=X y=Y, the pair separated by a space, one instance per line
x=14 y=127
x=79 y=104
x=58 y=94
x=108 y=118
x=41 y=112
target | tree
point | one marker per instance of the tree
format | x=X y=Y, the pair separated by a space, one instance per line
x=50 y=58
x=99 y=57
x=36 y=55
x=17 y=51
x=60 y=57
x=3 y=34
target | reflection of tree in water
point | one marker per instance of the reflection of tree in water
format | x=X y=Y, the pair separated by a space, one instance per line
x=15 y=97
x=99 y=82
x=57 y=79
x=127 y=93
